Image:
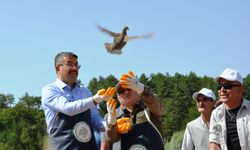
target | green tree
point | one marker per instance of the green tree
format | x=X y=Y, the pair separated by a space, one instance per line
x=30 y=101
x=176 y=141
x=192 y=83
x=144 y=79
x=100 y=83
x=6 y=100
x=23 y=126
x=93 y=85
x=176 y=106
x=161 y=85
x=247 y=87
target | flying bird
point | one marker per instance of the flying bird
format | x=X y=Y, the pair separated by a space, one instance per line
x=120 y=39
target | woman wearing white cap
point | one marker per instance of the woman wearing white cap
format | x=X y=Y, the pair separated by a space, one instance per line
x=230 y=122
x=197 y=131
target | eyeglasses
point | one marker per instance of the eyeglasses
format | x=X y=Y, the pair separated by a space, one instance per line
x=72 y=66
x=226 y=86
x=122 y=90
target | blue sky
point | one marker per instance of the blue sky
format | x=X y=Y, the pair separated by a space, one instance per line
x=204 y=37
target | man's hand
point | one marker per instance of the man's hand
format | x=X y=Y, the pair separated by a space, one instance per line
x=111 y=108
x=214 y=146
x=123 y=125
x=104 y=95
x=131 y=82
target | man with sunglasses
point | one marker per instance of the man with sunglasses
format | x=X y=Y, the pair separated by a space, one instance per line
x=197 y=131
x=230 y=122
x=139 y=125
x=70 y=109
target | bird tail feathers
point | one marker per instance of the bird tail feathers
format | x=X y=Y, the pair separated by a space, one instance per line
x=110 y=49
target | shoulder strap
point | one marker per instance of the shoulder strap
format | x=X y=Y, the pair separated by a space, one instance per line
x=146 y=111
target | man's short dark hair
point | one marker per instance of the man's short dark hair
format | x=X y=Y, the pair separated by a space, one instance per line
x=59 y=56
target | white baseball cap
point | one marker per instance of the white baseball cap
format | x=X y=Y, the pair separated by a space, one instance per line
x=206 y=92
x=230 y=75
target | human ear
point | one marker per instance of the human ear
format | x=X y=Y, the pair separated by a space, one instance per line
x=57 y=67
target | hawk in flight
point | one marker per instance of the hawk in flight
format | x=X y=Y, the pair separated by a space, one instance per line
x=120 y=39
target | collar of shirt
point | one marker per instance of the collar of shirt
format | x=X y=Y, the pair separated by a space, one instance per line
x=63 y=85
x=137 y=107
x=245 y=104
x=203 y=122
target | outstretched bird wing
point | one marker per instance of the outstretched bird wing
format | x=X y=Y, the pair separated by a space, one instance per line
x=145 y=36
x=107 y=31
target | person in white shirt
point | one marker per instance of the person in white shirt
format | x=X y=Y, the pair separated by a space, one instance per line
x=197 y=131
